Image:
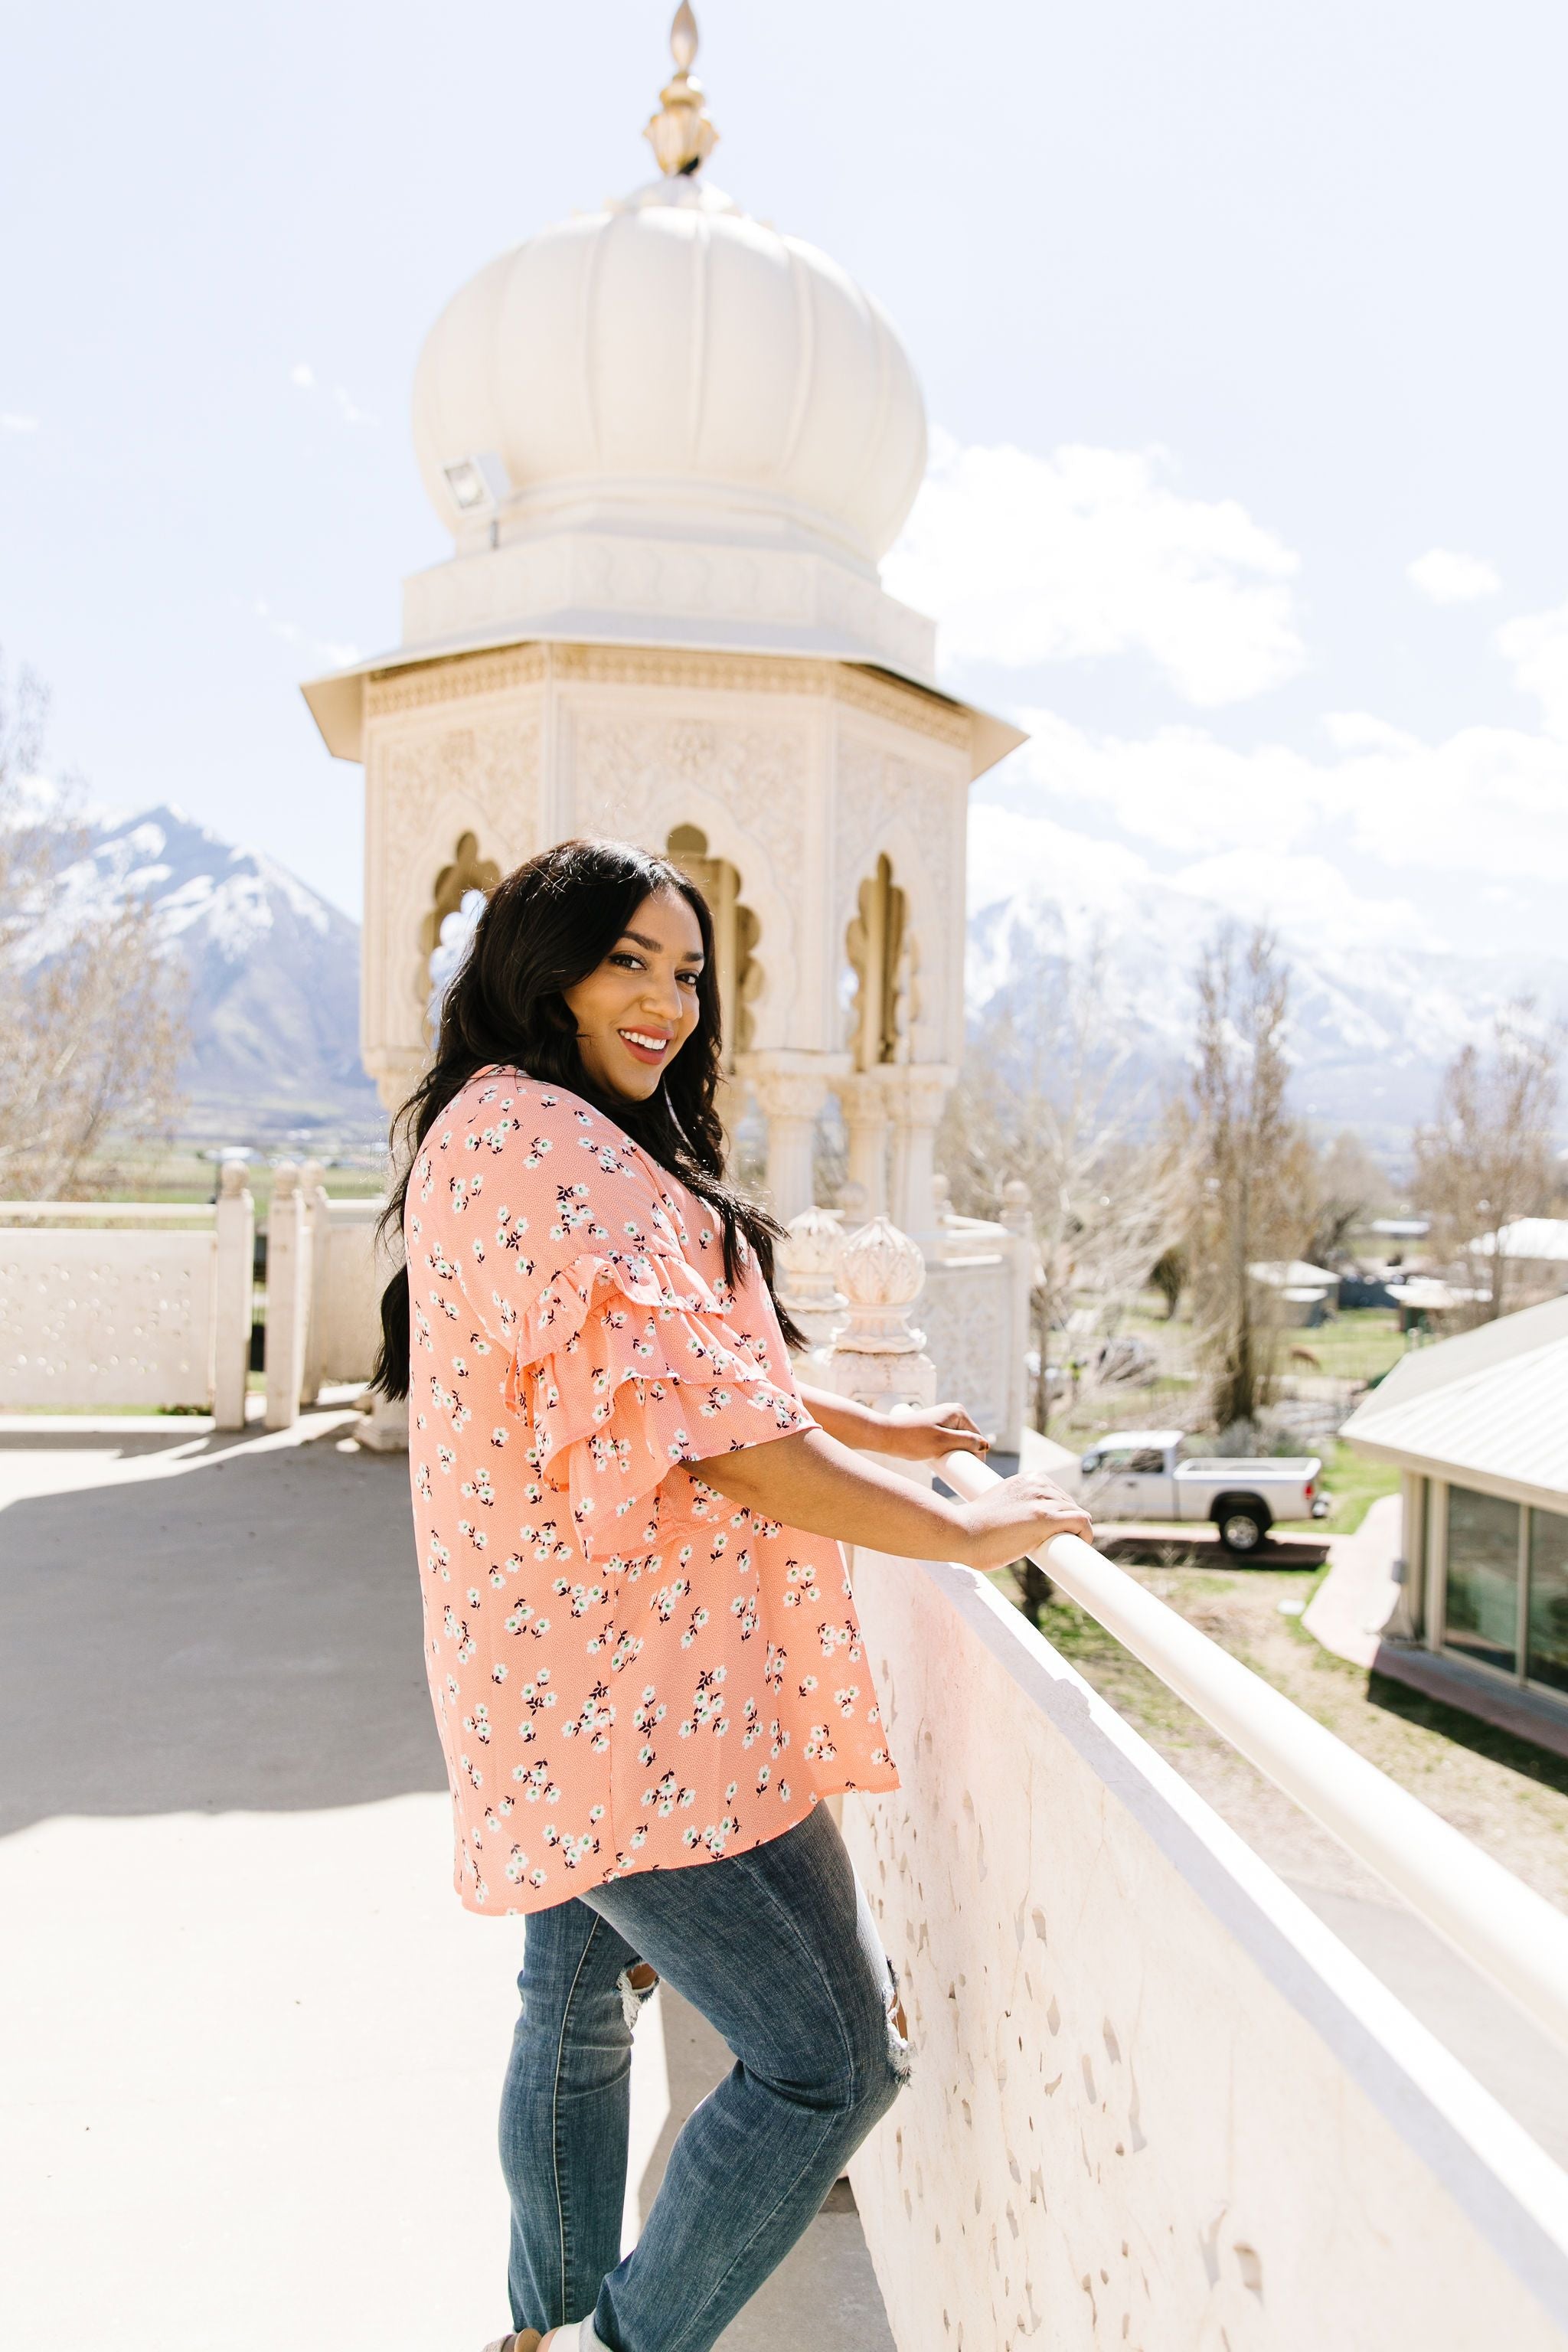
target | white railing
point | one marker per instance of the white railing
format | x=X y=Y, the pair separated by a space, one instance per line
x=107 y=1212
x=1498 y=1923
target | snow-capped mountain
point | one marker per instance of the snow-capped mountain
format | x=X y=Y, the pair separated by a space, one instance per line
x=274 y=1004
x=1372 y=1021
x=274 y=1010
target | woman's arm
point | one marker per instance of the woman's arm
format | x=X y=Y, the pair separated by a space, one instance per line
x=812 y=1482
x=924 y=1435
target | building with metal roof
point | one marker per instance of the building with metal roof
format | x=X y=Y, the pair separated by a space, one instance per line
x=1477 y=1428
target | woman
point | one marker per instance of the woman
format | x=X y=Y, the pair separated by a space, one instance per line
x=646 y=1673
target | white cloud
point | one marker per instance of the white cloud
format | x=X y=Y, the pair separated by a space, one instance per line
x=12 y=421
x=303 y=376
x=1090 y=552
x=1450 y=578
x=1537 y=645
x=326 y=653
x=1301 y=894
x=1104 y=889
x=1490 y=802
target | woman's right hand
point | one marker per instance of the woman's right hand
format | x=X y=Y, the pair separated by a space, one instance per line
x=1016 y=1518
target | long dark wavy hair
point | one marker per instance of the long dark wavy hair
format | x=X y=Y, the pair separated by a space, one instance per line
x=546 y=926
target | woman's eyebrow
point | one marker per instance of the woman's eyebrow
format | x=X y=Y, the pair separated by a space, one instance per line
x=657 y=947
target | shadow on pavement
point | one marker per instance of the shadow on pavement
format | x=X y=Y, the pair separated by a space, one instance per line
x=241 y=1634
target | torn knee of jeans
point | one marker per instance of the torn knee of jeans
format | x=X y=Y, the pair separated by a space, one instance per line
x=633 y=1985
x=898 y=2028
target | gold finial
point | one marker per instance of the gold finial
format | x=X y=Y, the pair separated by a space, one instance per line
x=680 y=135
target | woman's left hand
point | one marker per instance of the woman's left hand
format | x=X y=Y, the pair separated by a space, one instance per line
x=927 y=1434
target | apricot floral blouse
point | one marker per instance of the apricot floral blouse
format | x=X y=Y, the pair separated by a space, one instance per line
x=629 y=1672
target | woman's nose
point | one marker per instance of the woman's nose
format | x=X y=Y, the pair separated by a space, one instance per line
x=661 y=997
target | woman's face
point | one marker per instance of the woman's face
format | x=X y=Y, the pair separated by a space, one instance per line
x=636 y=1009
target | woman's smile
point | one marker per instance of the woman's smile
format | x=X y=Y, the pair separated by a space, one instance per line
x=646 y=1043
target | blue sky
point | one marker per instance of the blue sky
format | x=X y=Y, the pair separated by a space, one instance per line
x=1227 y=317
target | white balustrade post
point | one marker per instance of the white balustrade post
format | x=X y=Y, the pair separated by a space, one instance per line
x=288 y=1295
x=317 y=1220
x=1019 y=1220
x=234 y=1284
x=808 y=1264
x=878 y=1357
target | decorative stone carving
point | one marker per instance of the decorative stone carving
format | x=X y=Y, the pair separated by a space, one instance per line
x=881 y=1272
x=640 y=776
x=887 y=804
x=428 y=785
x=876 y=1357
x=808 y=1261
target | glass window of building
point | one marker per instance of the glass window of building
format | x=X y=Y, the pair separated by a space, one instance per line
x=1481 y=1604
x=1547 y=1657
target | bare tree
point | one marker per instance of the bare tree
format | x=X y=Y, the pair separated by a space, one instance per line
x=1058 y=1110
x=91 y=1027
x=1248 y=1166
x=1352 y=1186
x=1487 y=1156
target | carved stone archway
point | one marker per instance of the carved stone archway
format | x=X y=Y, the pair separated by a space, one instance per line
x=736 y=931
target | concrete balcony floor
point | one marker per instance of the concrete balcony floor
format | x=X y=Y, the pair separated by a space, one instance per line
x=252 y=2047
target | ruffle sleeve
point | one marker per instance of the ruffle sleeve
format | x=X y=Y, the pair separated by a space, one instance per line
x=627 y=1365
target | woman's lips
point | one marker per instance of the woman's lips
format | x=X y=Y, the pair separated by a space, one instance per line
x=643 y=1046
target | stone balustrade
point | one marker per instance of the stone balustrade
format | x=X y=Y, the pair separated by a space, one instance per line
x=108 y=1305
x=111 y=1304
x=1154 y=2102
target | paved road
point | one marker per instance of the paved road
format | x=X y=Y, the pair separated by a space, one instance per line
x=252 y=2043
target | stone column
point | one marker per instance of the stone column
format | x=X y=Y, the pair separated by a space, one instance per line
x=916 y=1093
x=791 y=1088
x=233 y=1288
x=288 y=1295
x=863 y=1095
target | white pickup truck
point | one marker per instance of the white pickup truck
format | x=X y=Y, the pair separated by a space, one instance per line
x=1139 y=1473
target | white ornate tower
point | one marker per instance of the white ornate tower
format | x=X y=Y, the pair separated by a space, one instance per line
x=671 y=447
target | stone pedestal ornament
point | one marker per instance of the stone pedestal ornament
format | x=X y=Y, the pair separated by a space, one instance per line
x=807 y=1267
x=878 y=1357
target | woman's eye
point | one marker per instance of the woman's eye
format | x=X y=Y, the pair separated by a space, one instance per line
x=627 y=963
x=689 y=979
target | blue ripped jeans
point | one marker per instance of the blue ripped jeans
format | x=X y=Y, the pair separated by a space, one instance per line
x=777 y=1949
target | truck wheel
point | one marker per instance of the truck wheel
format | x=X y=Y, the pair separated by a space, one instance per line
x=1241 y=1530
